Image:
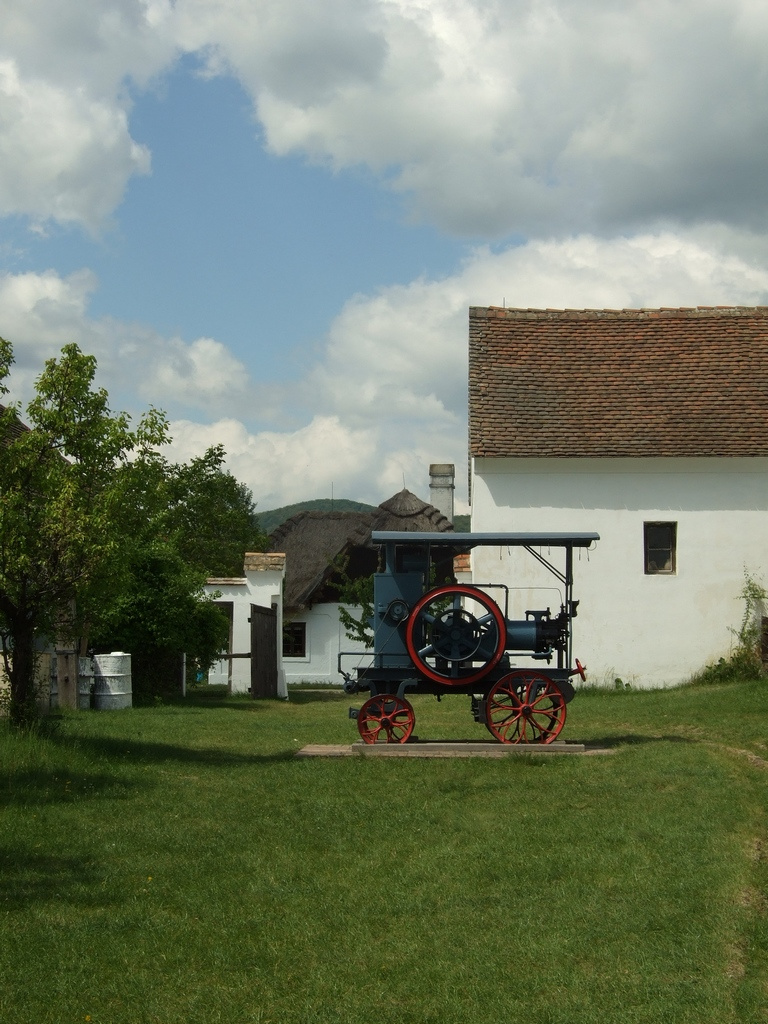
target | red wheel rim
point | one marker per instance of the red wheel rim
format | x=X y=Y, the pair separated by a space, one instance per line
x=463 y=638
x=385 y=719
x=525 y=707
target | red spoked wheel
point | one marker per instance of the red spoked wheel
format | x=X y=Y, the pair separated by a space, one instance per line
x=385 y=719
x=455 y=634
x=525 y=707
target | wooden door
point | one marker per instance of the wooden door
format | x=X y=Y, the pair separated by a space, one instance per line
x=263 y=651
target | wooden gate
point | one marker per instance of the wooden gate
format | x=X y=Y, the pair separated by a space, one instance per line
x=263 y=651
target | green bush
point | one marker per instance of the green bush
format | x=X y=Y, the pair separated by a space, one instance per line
x=745 y=660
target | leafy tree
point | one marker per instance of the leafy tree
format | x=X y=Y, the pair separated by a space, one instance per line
x=159 y=612
x=195 y=520
x=210 y=517
x=66 y=487
x=100 y=536
x=355 y=601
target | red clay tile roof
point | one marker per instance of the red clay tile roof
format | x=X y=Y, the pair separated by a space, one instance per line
x=629 y=382
x=14 y=426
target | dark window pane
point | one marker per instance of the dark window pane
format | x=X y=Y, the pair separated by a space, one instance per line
x=660 y=547
x=295 y=640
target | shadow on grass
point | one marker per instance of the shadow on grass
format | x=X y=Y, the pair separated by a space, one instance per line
x=215 y=698
x=61 y=785
x=132 y=751
x=318 y=696
x=56 y=785
x=27 y=877
x=633 y=739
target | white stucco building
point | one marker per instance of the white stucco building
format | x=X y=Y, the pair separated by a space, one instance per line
x=649 y=427
x=254 y=604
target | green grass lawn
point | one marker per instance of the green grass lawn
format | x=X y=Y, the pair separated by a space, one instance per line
x=178 y=864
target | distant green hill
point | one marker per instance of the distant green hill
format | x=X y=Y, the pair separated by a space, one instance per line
x=269 y=521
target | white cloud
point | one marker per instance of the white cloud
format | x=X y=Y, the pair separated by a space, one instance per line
x=402 y=354
x=536 y=117
x=197 y=374
x=526 y=116
x=281 y=468
x=94 y=45
x=66 y=151
x=40 y=313
x=387 y=395
x=651 y=270
x=63 y=154
x=514 y=116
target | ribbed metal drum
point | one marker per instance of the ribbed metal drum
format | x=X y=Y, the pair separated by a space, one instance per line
x=84 y=683
x=112 y=681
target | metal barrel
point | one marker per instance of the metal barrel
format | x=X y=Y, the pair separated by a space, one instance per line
x=112 y=681
x=84 y=683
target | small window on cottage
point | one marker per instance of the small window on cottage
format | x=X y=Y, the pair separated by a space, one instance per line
x=660 y=548
x=295 y=640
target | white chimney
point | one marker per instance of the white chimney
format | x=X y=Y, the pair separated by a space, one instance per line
x=441 y=487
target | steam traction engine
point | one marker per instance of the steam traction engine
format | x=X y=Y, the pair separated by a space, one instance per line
x=457 y=639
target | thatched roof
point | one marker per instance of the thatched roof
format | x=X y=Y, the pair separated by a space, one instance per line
x=312 y=541
x=404 y=511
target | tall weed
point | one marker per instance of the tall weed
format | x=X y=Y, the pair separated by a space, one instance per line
x=745 y=659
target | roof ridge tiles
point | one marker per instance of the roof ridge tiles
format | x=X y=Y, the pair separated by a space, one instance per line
x=495 y=310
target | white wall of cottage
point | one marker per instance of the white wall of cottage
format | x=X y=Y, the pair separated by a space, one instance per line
x=325 y=637
x=647 y=630
x=261 y=587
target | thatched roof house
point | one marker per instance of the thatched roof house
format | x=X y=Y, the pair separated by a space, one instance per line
x=315 y=542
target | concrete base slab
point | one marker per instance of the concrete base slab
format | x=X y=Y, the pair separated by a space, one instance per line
x=442 y=748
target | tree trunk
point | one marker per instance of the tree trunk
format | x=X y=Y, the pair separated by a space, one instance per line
x=23 y=709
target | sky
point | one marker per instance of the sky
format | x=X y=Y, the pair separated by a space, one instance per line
x=269 y=218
